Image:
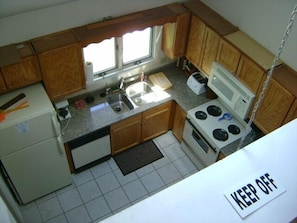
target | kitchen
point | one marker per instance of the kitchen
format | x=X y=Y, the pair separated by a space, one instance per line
x=292 y=47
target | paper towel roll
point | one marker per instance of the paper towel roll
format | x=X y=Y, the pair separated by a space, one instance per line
x=89 y=72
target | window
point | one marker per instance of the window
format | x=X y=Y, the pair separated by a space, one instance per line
x=114 y=54
x=102 y=55
x=136 y=46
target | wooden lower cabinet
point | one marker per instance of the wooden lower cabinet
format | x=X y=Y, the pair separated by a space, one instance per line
x=156 y=121
x=178 y=122
x=140 y=128
x=125 y=134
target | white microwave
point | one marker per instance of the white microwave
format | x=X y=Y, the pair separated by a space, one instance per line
x=230 y=90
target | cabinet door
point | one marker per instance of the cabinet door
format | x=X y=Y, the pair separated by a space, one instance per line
x=178 y=122
x=3 y=88
x=228 y=56
x=125 y=134
x=250 y=73
x=292 y=114
x=21 y=74
x=274 y=107
x=62 y=71
x=156 y=121
x=38 y=170
x=174 y=38
x=211 y=45
x=195 y=41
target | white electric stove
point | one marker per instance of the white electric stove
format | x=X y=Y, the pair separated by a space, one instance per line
x=219 y=122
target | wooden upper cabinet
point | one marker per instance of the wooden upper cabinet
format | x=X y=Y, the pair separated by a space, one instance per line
x=252 y=49
x=195 y=41
x=24 y=72
x=21 y=74
x=206 y=29
x=228 y=56
x=3 y=88
x=203 y=45
x=174 y=36
x=62 y=70
x=274 y=107
x=211 y=45
x=250 y=73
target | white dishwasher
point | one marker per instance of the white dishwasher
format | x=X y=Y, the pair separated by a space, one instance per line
x=90 y=149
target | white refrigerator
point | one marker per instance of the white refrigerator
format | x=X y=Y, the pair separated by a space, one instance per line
x=32 y=155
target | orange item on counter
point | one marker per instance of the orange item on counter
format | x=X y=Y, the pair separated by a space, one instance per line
x=24 y=104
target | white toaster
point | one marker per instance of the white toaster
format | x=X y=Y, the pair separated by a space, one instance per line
x=196 y=82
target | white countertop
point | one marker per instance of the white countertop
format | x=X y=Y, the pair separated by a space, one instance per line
x=200 y=197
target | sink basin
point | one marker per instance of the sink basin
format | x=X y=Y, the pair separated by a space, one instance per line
x=140 y=93
x=120 y=103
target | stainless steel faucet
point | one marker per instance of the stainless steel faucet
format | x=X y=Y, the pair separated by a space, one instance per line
x=107 y=90
x=121 y=86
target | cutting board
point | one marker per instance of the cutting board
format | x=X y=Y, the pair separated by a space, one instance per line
x=160 y=80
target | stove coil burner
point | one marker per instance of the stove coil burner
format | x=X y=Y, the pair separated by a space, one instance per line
x=200 y=115
x=234 y=129
x=220 y=134
x=214 y=110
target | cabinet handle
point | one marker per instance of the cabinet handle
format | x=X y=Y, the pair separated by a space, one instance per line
x=56 y=124
x=61 y=145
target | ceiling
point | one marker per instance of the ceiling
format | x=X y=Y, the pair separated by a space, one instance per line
x=14 y=7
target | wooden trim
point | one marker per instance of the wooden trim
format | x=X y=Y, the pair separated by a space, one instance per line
x=116 y=27
x=69 y=158
x=211 y=18
x=53 y=41
x=113 y=21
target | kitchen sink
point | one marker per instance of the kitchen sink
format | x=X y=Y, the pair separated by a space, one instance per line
x=120 y=103
x=140 y=93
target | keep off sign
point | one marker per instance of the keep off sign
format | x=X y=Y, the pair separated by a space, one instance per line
x=253 y=193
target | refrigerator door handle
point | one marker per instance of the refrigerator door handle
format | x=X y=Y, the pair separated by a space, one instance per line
x=56 y=124
x=61 y=145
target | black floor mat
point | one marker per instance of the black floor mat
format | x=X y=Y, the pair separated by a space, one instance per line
x=137 y=157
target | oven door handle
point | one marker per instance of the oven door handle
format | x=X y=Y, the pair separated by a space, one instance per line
x=199 y=134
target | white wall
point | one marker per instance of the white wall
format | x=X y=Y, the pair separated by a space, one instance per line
x=263 y=20
x=40 y=22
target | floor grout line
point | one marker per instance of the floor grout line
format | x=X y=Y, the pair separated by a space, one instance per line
x=83 y=179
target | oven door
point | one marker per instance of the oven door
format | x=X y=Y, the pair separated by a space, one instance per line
x=197 y=148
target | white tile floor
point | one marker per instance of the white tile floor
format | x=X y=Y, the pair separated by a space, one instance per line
x=103 y=190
